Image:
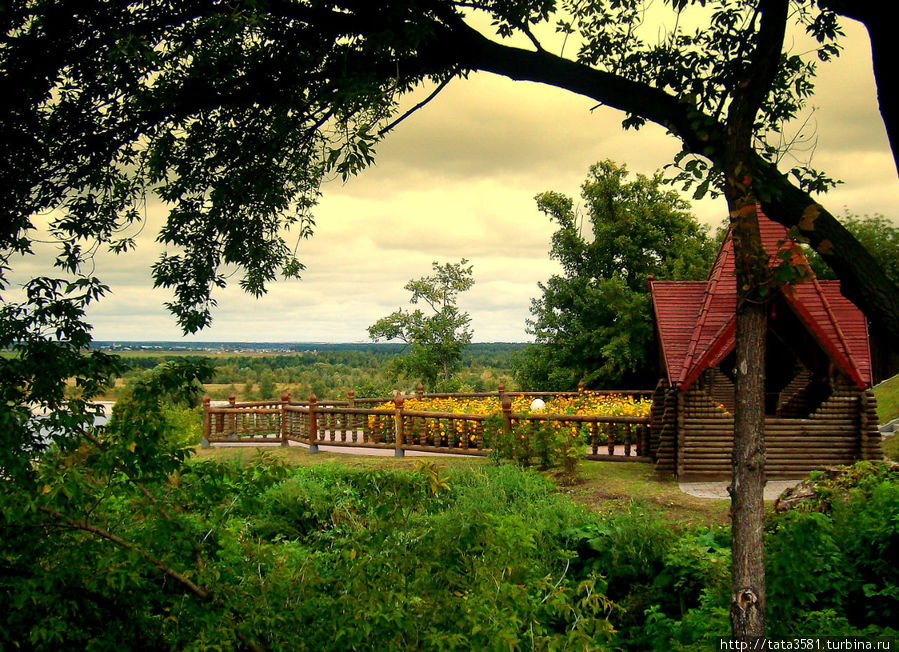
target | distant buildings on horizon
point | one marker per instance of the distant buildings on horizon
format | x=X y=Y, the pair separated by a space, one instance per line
x=262 y=347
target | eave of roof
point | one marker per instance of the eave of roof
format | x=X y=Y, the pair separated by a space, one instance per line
x=676 y=305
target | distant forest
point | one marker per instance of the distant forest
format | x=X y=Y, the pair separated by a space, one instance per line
x=258 y=371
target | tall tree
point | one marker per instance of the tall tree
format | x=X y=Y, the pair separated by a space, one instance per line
x=593 y=322
x=437 y=338
x=233 y=111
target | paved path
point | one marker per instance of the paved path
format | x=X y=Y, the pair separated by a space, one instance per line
x=346 y=450
x=773 y=488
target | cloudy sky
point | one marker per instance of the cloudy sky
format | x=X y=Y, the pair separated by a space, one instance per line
x=457 y=179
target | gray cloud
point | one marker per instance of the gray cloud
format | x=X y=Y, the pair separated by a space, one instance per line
x=458 y=179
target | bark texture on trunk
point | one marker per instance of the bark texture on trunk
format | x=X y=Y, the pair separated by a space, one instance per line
x=747 y=494
x=748 y=460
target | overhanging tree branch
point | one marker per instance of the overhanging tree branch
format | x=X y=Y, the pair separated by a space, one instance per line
x=128 y=545
x=755 y=84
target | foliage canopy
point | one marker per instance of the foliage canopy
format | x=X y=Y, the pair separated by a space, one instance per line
x=594 y=321
x=438 y=337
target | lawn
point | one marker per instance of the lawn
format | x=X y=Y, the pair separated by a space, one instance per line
x=887 y=395
x=604 y=487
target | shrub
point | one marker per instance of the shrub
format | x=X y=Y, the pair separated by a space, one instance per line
x=831 y=560
x=544 y=444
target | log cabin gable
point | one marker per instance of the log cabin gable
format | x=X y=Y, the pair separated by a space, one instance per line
x=812 y=321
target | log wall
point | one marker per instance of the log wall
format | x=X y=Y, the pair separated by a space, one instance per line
x=872 y=441
x=665 y=453
x=840 y=431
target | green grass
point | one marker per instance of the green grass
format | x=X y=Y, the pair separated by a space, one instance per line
x=610 y=487
x=887 y=394
x=603 y=487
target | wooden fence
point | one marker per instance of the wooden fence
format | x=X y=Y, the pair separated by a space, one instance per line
x=360 y=422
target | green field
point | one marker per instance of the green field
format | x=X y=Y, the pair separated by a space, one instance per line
x=329 y=371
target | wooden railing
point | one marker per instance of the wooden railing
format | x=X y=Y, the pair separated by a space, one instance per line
x=361 y=423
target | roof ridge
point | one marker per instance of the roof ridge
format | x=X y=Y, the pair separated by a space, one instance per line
x=724 y=253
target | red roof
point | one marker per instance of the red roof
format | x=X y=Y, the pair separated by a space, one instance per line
x=697 y=323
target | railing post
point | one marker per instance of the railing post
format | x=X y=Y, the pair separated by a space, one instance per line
x=285 y=401
x=313 y=424
x=204 y=443
x=580 y=387
x=398 y=425
x=230 y=423
x=352 y=420
x=420 y=390
x=506 y=404
x=501 y=393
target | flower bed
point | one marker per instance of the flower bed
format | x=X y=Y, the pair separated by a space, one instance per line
x=584 y=403
x=479 y=419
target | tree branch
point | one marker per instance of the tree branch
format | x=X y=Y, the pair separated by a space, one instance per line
x=756 y=82
x=861 y=279
x=122 y=543
x=140 y=487
x=477 y=52
x=418 y=106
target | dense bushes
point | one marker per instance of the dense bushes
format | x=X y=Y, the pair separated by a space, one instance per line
x=314 y=558
x=544 y=444
x=832 y=560
x=213 y=555
x=830 y=567
x=375 y=560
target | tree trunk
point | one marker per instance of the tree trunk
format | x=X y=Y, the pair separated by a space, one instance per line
x=748 y=459
x=747 y=611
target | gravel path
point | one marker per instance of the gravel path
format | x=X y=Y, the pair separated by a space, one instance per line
x=773 y=488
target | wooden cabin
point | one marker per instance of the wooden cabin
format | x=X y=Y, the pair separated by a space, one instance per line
x=819 y=407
